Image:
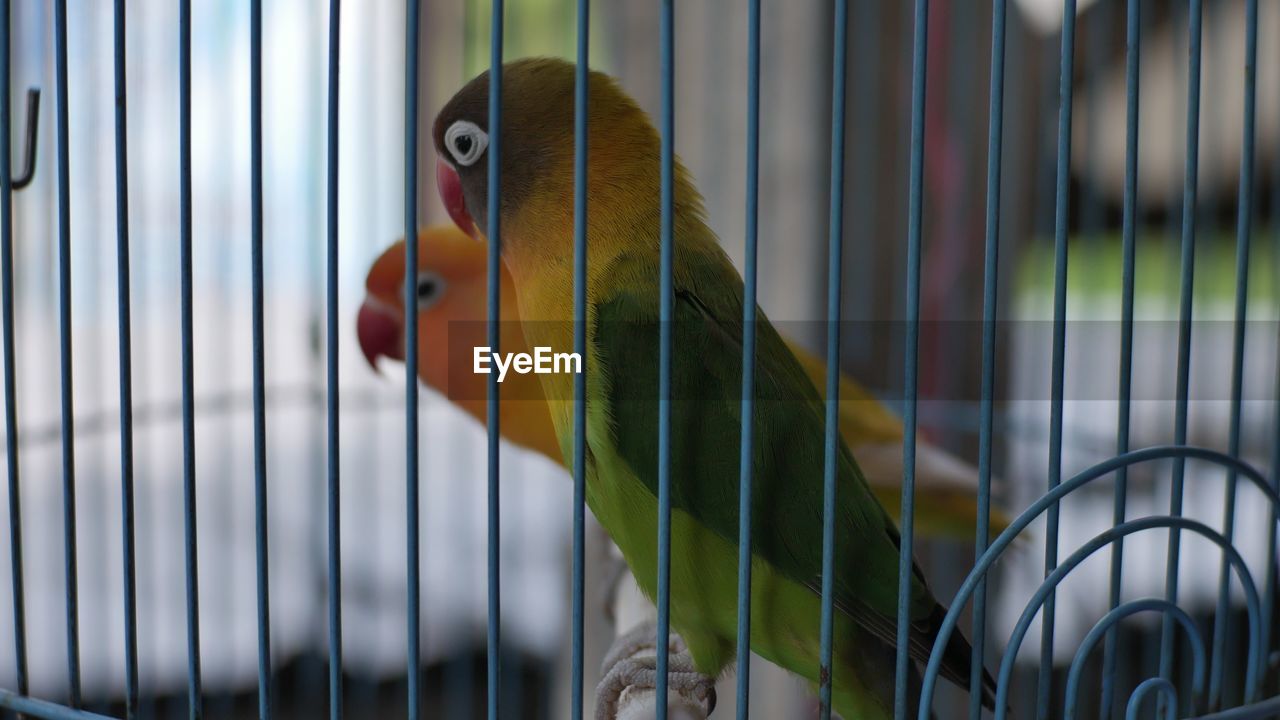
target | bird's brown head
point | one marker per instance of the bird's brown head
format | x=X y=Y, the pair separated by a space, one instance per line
x=536 y=154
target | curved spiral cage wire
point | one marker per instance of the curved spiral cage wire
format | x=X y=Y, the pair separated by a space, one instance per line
x=225 y=514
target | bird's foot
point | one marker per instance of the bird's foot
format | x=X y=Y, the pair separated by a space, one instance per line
x=628 y=687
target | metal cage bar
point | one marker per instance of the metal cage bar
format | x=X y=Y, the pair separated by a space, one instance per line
x=975 y=585
x=493 y=272
x=581 y=86
x=1244 y=230
x=1104 y=628
x=1066 y=74
x=19 y=703
x=666 y=52
x=127 y=508
x=990 y=284
x=1269 y=593
x=915 y=241
x=194 y=689
x=1051 y=499
x=259 y=363
x=835 y=241
x=62 y=116
x=748 y=361
x=413 y=13
x=1102 y=540
x=331 y=370
x=1133 y=57
x=10 y=383
x=1189 y=210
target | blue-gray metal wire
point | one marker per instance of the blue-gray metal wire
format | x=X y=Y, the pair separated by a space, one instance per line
x=1133 y=38
x=835 y=237
x=412 y=18
x=1189 y=207
x=126 y=373
x=915 y=216
x=44 y=709
x=1066 y=75
x=1166 y=697
x=194 y=691
x=1270 y=592
x=1244 y=229
x=1263 y=710
x=1053 y=497
x=1102 y=540
x=10 y=383
x=65 y=357
x=581 y=79
x=666 y=51
x=990 y=283
x=748 y=361
x=1108 y=623
x=23 y=178
x=494 y=274
x=259 y=362
x=331 y=378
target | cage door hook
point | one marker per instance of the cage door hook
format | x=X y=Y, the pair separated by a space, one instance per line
x=23 y=178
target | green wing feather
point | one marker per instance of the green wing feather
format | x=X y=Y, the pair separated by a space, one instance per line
x=788 y=459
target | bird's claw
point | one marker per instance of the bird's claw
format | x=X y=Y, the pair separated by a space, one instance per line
x=631 y=665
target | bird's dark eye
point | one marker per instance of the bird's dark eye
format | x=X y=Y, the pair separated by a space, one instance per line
x=429 y=289
x=466 y=142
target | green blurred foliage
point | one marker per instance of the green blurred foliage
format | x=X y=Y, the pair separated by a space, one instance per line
x=532 y=27
x=1094 y=275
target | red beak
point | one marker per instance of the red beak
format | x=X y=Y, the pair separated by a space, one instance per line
x=450 y=187
x=379 y=332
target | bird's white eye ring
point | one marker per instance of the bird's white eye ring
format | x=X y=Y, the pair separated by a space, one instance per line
x=428 y=289
x=466 y=142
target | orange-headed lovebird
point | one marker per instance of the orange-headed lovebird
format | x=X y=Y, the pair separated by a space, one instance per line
x=451 y=310
x=622 y=406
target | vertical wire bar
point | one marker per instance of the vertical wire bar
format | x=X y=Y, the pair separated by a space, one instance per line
x=915 y=214
x=259 y=362
x=194 y=690
x=65 y=355
x=494 y=269
x=581 y=79
x=835 y=249
x=458 y=700
x=126 y=373
x=1269 y=596
x=459 y=676
x=1244 y=232
x=995 y=155
x=1061 y=220
x=412 y=20
x=1133 y=57
x=748 y=361
x=10 y=382
x=667 y=53
x=331 y=351
x=1189 y=208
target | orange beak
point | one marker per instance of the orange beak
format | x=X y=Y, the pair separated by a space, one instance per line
x=380 y=332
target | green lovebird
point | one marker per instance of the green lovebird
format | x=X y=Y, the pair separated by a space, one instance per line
x=536 y=237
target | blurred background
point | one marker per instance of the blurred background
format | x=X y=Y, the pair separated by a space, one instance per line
x=536 y=495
